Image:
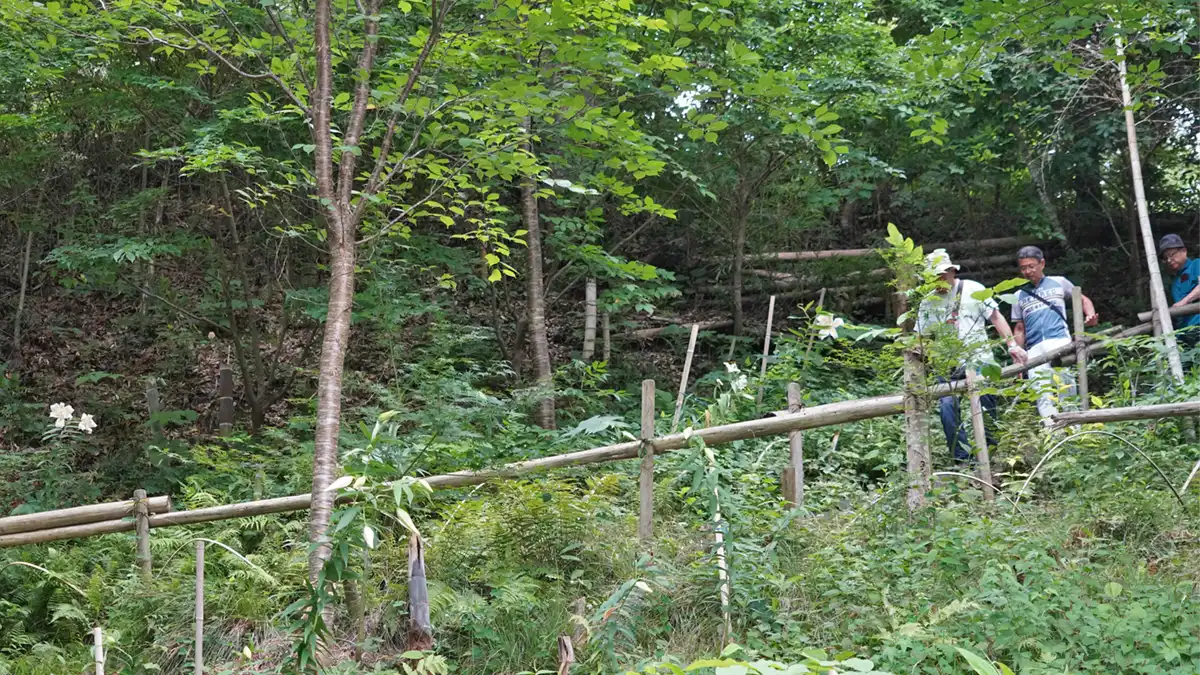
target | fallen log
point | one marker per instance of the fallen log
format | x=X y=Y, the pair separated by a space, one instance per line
x=971 y=268
x=997 y=242
x=79 y=515
x=1186 y=310
x=648 y=333
x=1127 y=414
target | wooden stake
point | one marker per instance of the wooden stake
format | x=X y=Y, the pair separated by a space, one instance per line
x=198 y=649
x=589 y=321
x=793 y=474
x=1081 y=349
x=142 y=515
x=646 y=479
x=225 y=411
x=762 y=371
x=606 y=338
x=420 y=629
x=683 y=380
x=983 y=455
x=98 y=649
x=153 y=407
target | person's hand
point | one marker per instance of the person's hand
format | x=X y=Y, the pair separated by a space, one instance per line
x=1091 y=319
x=1018 y=354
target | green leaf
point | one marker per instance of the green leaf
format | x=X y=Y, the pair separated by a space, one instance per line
x=1113 y=590
x=978 y=663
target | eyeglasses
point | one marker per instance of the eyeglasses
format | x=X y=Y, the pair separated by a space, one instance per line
x=1174 y=253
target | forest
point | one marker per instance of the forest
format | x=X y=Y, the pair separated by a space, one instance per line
x=593 y=336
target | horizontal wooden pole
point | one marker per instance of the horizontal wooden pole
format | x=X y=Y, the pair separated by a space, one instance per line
x=648 y=333
x=69 y=532
x=996 y=242
x=78 y=515
x=1127 y=414
x=1186 y=310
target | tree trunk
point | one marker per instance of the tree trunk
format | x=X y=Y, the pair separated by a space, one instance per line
x=589 y=321
x=1161 y=306
x=537 y=304
x=739 y=259
x=14 y=356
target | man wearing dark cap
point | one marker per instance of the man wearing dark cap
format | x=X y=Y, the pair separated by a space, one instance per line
x=1184 y=287
x=1040 y=321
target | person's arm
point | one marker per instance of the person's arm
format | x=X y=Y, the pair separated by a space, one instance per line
x=1019 y=332
x=1001 y=325
x=1090 y=317
x=1189 y=298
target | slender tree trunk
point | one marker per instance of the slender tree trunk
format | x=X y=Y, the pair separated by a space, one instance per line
x=1159 y=294
x=14 y=356
x=537 y=304
x=739 y=259
x=589 y=321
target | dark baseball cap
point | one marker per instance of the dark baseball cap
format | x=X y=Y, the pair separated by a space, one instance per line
x=1169 y=242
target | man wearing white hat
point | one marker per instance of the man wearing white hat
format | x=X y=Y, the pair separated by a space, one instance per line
x=954 y=307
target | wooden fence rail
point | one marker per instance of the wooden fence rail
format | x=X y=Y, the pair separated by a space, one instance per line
x=66 y=524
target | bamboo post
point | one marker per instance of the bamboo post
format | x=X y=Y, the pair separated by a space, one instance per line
x=589 y=321
x=225 y=411
x=793 y=474
x=1157 y=292
x=198 y=652
x=762 y=371
x=683 y=380
x=98 y=649
x=1081 y=348
x=153 y=406
x=722 y=564
x=646 y=478
x=983 y=454
x=606 y=338
x=142 y=515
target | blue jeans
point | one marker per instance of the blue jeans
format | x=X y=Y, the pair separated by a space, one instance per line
x=957 y=438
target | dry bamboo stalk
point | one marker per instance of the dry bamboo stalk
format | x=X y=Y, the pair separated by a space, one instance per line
x=1186 y=310
x=98 y=649
x=198 y=648
x=646 y=477
x=997 y=242
x=1127 y=414
x=589 y=321
x=793 y=482
x=683 y=379
x=982 y=453
x=142 y=524
x=762 y=371
x=1081 y=375
x=606 y=338
x=225 y=410
x=79 y=515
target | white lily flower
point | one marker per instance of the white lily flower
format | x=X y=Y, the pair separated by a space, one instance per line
x=732 y=368
x=827 y=325
x=60 y=413
x=86 y=423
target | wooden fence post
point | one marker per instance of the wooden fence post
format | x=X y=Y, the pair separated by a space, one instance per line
x=198 y=651
x=983 y=455
x=683 y=380
x=1081 y=349
x=142 y=514
x=566 y=654
x=153 y=406
x=98 y=649
x=762 y=371
x=793 y=474
x=225 y=411
x=646 y=479
x=915 y=423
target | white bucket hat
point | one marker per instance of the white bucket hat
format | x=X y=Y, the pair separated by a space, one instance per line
x=939 y=261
